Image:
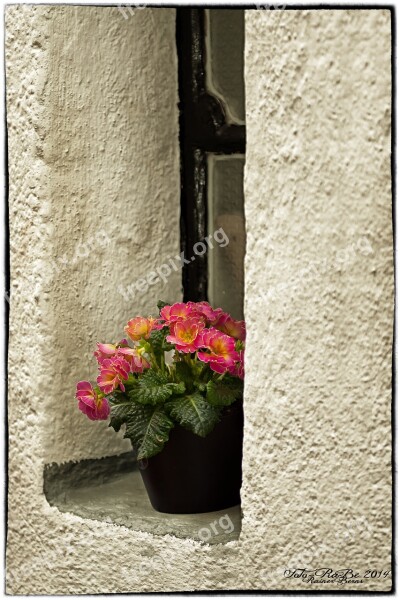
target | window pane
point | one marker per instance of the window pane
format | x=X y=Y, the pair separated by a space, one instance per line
x=225 y=209
x=225 y=59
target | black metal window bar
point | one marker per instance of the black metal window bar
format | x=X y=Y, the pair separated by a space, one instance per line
x=203 y=129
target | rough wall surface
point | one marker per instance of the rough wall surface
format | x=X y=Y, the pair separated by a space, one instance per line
x=94 y=203
x=92 y=125
x=319 y=290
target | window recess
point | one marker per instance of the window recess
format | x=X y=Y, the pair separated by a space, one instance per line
x=210 y=46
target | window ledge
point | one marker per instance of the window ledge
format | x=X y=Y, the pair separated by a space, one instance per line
x=111 y=490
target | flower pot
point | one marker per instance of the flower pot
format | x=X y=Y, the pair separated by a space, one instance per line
x=194 y=474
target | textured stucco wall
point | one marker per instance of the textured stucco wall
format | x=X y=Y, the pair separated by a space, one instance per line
x=319 y=289
x=92 y=127
x=94 y=198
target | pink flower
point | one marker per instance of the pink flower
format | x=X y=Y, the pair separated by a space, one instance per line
x=228 y=325
x=135 y=358
x=177 y=312
x=92 y=402
x=205 y=310
x=108 y=350
x=113 y=372
x=190 y=310
x=221 y=353
x=238 y=369
x=186 y=334
x=140 y=327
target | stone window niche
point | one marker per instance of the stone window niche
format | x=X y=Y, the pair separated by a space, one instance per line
x=213 y=139
x=111 y=490
x=210 y=50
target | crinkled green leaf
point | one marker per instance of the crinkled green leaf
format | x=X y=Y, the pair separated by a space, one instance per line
x=120 y=407
x=154 y=388
x=148 y=429
x=225 y=392
x=158 y=341
x=194 y=413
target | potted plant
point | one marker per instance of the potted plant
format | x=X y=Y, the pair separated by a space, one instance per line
x=177 y=389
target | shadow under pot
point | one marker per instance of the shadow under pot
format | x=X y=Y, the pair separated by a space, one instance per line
x=194 y=474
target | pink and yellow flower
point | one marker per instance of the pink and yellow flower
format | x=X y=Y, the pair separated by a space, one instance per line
x=135 y=357
x=113 y=372
x=238 y=369
x=177 y=312
x=228 y=325
x=204 y=309
x=92 y=402
x=221 y=354
x=186 y=335
x=140 y=327
x=108 y=350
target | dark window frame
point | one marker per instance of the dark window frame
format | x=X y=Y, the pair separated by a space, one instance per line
x=203 y=129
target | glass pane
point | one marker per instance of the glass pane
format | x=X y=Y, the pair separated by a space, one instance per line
x=225 y=59
x=226 y=211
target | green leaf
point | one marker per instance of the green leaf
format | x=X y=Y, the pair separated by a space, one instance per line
x=130 y=383
x=225 y=392
x=184 y=373
x=154 y=388
x=161 y=304
x=158 y=341
x=120 y=407
x=194 y=413
x=148 y=429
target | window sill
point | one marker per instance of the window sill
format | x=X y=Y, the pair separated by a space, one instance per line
x=111 y=490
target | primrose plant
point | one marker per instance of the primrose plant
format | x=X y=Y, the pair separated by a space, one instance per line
x=182 y=367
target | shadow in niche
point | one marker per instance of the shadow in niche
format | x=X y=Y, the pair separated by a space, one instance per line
x=111 y=490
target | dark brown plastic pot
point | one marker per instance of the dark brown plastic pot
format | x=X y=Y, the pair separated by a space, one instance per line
x=194 y=474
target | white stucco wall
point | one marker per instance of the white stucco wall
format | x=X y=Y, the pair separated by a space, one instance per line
x=94 y=198
x=92 y=126
x=319 y=288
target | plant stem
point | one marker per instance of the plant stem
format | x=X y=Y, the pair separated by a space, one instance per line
x=162 y=361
